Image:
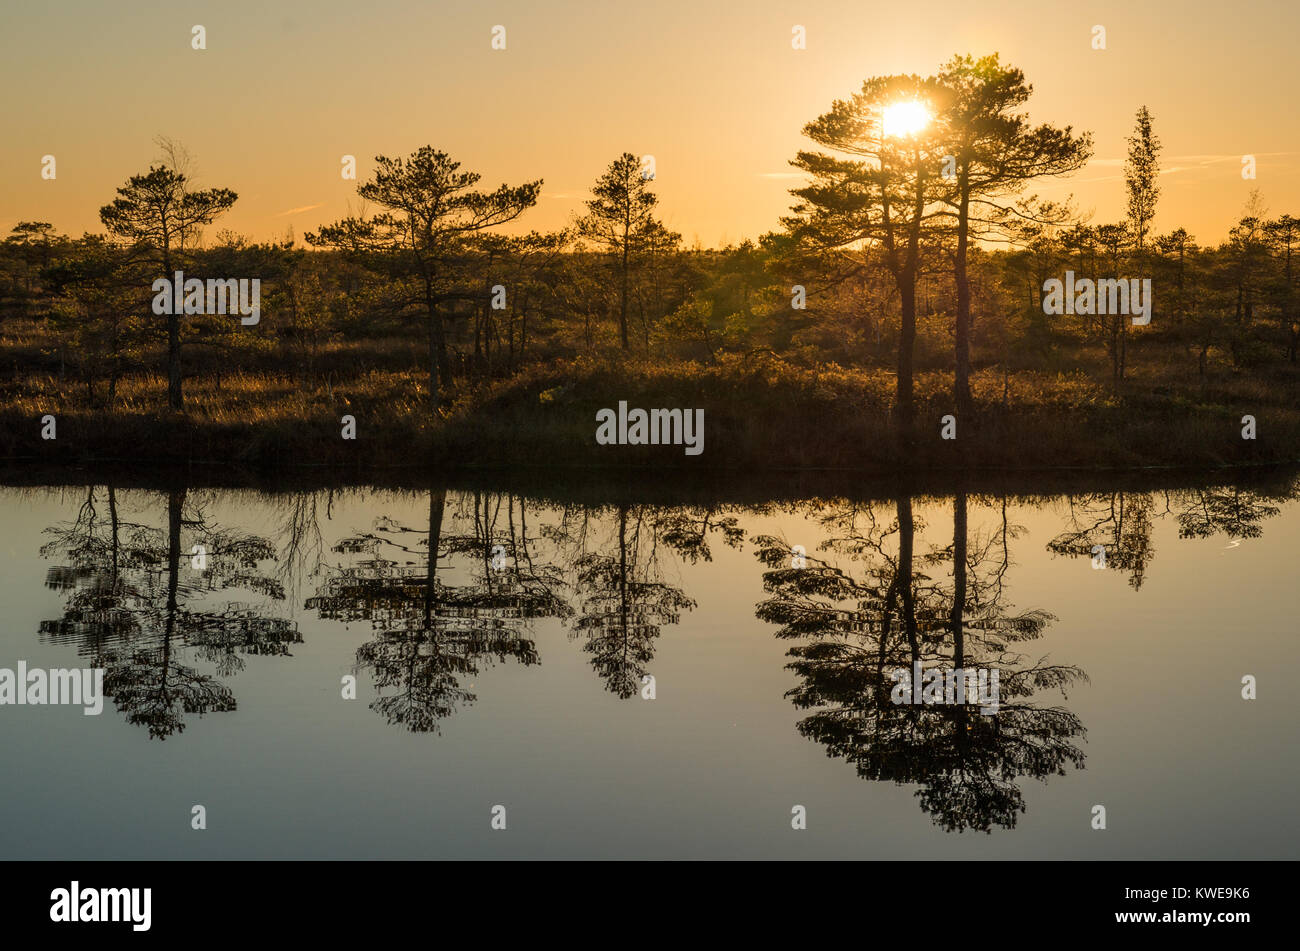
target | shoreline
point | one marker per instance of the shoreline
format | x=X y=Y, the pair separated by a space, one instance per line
x=613 y=484
x=759 y=423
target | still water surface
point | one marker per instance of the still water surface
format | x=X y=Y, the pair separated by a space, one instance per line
x=513 y=669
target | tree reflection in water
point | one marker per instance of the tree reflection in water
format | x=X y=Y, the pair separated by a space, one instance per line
x=852 y=631
x=135 y=605
x=429 y=635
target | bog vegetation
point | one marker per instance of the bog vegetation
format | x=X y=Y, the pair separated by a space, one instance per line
x=906 y=284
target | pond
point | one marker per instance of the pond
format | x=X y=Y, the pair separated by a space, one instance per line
x=461 y=672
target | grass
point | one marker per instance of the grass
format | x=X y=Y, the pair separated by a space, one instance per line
x=760 y=413
x=771 y=415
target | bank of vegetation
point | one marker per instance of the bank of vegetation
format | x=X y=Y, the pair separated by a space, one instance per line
x=904 y=288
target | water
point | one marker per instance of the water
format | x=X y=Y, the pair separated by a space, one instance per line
x=519 y=677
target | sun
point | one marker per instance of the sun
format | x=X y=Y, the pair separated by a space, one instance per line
x=905 y=118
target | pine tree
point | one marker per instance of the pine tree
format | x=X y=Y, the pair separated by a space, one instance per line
x=1141 y=173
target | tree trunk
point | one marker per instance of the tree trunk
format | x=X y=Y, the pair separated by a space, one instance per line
x=175 y=506
x=906 y=344
x=956 y=620
x=439 y=367
x=433 y=360
x=622 y=313
x=175 y=398
x=961 y=376
x=437 y=501
x=622 y=572
x=906 y=531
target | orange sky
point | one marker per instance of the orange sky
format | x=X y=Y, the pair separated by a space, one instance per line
x=712 y=90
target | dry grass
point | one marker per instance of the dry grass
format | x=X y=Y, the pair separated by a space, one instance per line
x=760 y=412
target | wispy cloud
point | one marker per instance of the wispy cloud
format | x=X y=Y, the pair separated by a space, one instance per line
x=1181 y=163
x=298 y=211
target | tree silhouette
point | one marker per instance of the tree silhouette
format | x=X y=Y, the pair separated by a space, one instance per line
x=1234 y=511
x=1142 y=177
x=851 y=633
x=880 y=195
x=157 y=211
x=995 y=152
x=431 y=209
x=1119 y=522
x=428 y=635
x=620 y=218
x=624 y=600
x=127 y=608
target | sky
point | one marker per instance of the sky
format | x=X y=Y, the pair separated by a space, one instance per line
x=713 y=90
